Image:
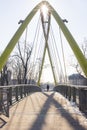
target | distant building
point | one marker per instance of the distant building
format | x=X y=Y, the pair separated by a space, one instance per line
x=77 y=79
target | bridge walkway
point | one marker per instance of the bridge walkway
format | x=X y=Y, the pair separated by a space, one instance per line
x=44 y=111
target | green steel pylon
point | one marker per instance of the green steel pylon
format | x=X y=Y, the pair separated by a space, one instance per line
x=46 y=36
x=74 y=46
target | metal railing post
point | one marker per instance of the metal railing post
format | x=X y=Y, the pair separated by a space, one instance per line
x=10 y=95
x=1 y=98
x=16 y=92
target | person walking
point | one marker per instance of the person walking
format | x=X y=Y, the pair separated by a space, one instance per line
x=47 y=87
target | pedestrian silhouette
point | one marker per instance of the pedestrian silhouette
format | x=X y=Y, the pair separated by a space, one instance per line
x=47 y=87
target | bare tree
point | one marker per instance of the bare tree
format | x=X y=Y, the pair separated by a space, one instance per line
x=76 y=64
x=84 y=48
x=5 y=74
x=22 y=58
x=17 y=69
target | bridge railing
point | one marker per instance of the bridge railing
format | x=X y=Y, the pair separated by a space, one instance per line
x=74 y=93
x=14 y=93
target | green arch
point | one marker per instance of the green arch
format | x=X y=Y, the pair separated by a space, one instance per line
x=15 y=38
x=74 y=46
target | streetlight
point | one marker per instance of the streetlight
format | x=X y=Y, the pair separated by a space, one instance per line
x=21 y=21
x=65 y=20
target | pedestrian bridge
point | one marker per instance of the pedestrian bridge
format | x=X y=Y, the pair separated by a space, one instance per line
x=30 y=110
x=28 y=107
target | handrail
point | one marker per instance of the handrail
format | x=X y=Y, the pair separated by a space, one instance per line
x=74 y=93
x=17 y=85
x=14 y=93
x=75 y=86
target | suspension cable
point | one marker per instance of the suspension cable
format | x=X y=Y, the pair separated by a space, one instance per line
x=53 y=56
x=53 y=38
x=39 y=55
x=34 y=46
x=63 y=55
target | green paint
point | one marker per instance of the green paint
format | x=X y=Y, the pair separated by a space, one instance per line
x=74 y=46
x=15 y=38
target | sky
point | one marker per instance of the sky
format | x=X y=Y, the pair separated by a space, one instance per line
x=75 y=11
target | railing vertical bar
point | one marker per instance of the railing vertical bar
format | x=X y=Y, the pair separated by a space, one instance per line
x=16 y=92
x=10 y=95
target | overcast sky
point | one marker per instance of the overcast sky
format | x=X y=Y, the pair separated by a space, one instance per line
x=75 y=11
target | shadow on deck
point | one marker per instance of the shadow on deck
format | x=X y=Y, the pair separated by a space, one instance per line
x=45 y=111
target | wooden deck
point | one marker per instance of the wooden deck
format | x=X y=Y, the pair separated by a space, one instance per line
x=44 y=111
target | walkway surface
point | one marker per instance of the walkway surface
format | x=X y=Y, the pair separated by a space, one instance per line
x=44 y=111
